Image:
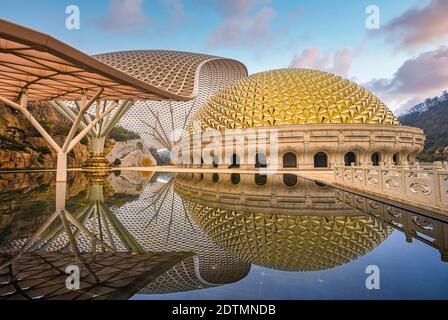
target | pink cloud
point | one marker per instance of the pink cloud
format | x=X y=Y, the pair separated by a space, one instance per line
x=244 y=23
x=312 y=58
x=419 y=26
x=123 y=15
x=416 y=79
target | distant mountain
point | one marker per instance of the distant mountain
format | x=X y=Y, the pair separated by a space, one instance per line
x=432 y=117
x=428 y=103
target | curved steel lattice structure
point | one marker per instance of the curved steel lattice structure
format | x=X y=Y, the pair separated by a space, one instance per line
x=291 y=96
x=49 y=69
x=191 y=75
x=173 y=71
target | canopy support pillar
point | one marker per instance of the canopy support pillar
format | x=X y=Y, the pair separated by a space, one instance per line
x=97 y=135
x=71 y=140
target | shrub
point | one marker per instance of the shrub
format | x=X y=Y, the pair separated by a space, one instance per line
x=121 y=134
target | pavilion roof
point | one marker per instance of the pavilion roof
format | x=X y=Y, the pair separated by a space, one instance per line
x=50 y=69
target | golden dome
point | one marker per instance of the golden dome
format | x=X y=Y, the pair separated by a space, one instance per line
x=290 y=96
x=290 y=243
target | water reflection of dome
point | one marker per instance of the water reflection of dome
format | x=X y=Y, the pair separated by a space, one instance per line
x=301 y=242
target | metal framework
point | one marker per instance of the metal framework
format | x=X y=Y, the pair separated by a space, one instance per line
x=37 y=67
x=161 y=122
x=94 y=93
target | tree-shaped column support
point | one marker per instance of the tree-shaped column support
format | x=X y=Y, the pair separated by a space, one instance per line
x=97 y=136
x=72 y=138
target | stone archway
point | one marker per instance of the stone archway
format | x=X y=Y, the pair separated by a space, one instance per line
x=289 y=160
x=375 y=159
x=320 y=160
x=260 y=160
x=234 y=161
x=349 y=158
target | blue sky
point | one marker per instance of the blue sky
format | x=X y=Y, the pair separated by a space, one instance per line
x=268 y=34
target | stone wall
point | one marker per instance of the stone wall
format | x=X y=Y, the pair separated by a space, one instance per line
x=307 y=140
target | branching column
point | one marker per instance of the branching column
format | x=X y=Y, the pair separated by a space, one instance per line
x=97 y=136
x=72 y=138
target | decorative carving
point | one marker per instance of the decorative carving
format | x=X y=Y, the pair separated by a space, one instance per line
x=423 y=223
x=392 y=184
x=373 y=204
x=394 y=212
x=417 y=187
x=372 y=181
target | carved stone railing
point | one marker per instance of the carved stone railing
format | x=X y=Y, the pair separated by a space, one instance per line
x=431 y=231
x=427 y=186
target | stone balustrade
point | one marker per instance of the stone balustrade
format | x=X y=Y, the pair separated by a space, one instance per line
x=426 y=185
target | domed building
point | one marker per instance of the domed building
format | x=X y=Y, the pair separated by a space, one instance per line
x=319 y=120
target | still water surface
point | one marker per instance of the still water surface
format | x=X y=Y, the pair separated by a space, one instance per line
x=207 y=236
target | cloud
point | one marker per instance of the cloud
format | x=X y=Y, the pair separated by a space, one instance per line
x=416 y=79
x=244 y=23
x=339 y=62
x=123 y=15
x=175 y=10
x=418 y=26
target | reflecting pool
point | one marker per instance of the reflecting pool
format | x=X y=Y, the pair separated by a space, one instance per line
x=135 y=235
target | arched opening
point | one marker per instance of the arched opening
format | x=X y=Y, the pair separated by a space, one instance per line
x=215 y=177
x=320 y=160
x=289 y=160
x=235 y=161
x=261 y=179
x=235 y=178
x=396 y=159
x=290 y=180
x=215 y=162
x=350 y=158
x=260 y=161
x=375 y=158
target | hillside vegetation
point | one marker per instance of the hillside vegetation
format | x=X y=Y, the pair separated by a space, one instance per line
x=434 y=121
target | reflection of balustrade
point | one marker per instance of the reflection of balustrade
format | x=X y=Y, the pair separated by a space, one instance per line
x=425 y=186
x=430 y=231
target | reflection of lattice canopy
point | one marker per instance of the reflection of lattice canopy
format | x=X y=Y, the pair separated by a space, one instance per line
x=172 y=71
x=103 y=276
x=292 y=96
x=292 y=243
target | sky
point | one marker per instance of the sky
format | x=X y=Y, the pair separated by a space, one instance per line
x=403 y=59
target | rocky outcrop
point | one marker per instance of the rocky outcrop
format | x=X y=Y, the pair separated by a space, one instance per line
x=21 y=146
x=130 y=154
